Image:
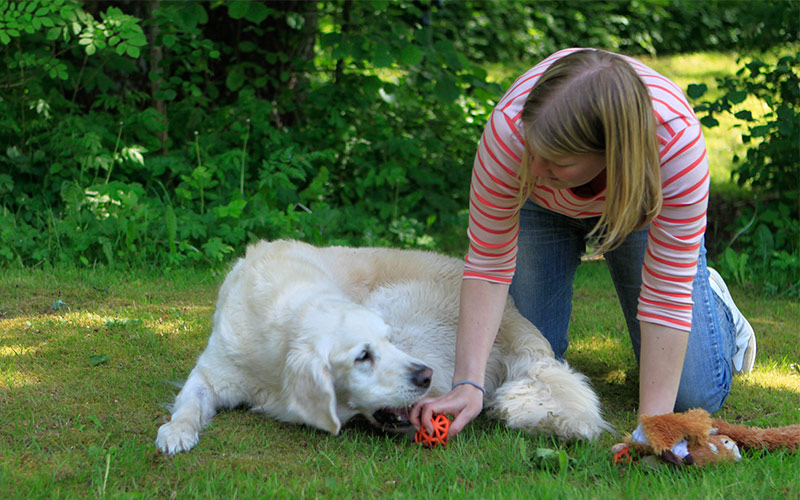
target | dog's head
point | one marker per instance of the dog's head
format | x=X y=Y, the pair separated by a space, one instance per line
x=344 y=364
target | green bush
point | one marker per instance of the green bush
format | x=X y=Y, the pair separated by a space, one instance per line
x=103 y=169
x=767 y=241
x=170 y=133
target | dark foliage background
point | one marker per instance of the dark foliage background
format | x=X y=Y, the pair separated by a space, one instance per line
x=169 y=133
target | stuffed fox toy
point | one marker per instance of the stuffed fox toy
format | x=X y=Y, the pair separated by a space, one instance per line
x=694 y=438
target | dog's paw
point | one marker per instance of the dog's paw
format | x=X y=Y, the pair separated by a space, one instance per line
x=175 y=437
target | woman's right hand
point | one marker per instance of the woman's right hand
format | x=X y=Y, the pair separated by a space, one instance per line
x=464 y=403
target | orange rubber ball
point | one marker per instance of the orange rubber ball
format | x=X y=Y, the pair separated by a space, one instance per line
x=441 y=426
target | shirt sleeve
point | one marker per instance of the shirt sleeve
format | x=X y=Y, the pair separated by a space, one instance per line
x=675 y=235
x=493 y=200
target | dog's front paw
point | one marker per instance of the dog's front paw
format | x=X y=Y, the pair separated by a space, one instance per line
x=175 y=437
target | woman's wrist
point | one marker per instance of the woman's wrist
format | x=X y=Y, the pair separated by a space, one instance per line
x=469 y=383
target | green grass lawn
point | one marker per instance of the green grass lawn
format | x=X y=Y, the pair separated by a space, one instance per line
x=88 y=360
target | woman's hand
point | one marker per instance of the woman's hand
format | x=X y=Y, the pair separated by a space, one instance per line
x=482 y=304
x=464 y=403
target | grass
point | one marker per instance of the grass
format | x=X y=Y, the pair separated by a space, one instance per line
x=87 y=361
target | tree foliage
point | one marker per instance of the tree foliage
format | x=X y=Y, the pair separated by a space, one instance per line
x=171 y=132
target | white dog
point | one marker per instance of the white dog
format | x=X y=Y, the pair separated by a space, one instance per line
x=318 y=335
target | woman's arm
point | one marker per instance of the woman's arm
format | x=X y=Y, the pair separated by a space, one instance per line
x=481 y=310
x=661 y=363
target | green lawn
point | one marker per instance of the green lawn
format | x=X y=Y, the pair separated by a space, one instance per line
x=88 y=359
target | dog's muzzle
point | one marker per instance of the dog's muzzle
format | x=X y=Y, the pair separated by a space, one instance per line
x=397 y=419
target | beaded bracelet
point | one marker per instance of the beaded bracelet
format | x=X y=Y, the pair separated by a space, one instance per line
x=469 y=382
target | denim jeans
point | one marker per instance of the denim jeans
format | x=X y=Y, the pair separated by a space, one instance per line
x=550 y=249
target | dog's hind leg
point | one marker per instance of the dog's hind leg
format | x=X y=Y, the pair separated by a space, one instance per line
x=195 y=405
x=550 y=397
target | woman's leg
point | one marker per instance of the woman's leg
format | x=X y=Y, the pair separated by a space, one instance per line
x=707 y=369
x=550 y=247
x=625 y=265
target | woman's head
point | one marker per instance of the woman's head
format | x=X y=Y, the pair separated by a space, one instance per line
x=592 y=103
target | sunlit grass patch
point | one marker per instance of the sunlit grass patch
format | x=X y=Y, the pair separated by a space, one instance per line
x=769 y=372
x=11 y=376
x=12 y=350
x=772 y=375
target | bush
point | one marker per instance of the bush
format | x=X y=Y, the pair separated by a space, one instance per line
x=767 y=241
x=170 y=133
x=120 y=156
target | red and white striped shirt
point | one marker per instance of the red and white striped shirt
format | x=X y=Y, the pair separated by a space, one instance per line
x=674 y=236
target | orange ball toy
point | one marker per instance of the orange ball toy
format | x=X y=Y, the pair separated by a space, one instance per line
x=441 y=425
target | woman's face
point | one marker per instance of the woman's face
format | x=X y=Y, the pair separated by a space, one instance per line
x=567 y=171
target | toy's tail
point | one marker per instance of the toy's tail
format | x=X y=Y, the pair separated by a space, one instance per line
x=771 y=438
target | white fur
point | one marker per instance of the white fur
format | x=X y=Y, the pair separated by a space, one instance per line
x=318 y=335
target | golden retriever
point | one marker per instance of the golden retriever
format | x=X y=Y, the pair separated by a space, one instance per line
x=317 y=336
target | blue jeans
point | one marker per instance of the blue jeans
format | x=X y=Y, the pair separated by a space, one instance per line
x=550 y=249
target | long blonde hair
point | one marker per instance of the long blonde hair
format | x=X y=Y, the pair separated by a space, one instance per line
x=593 y=102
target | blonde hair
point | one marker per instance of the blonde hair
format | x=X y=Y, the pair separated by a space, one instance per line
x=593 y=102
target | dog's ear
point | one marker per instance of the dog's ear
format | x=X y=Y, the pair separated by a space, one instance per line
x=308 y=385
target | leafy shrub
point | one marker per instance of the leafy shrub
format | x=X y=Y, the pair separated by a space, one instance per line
x=102 y=171
x=767 y=242
x=171 y=133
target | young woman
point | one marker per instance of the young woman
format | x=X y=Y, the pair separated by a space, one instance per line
x=594 y=147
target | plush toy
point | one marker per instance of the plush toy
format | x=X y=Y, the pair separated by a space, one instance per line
x=694 y=438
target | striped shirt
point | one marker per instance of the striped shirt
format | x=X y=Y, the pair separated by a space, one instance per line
x=674 y=236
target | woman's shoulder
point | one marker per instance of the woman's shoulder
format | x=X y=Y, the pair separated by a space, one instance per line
x=670 y=104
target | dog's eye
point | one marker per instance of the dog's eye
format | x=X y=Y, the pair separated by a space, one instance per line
x=364 y=356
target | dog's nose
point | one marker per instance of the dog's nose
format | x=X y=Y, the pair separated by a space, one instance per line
x=421 y=375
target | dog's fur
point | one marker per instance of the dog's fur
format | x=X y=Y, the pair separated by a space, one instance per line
x=318 y=335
